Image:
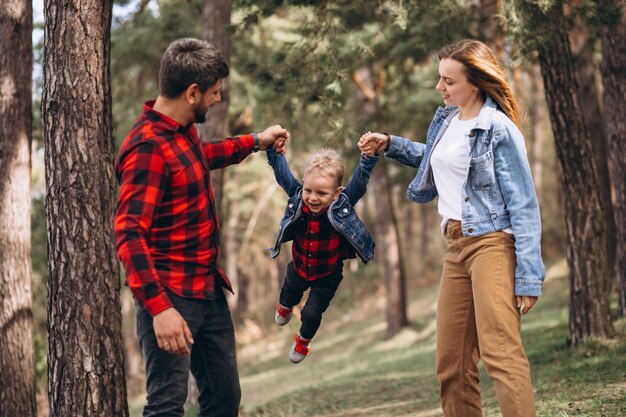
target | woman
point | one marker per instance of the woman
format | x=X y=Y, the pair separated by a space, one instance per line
x=475 y=160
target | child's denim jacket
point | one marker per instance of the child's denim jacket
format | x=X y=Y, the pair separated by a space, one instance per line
x=498 y=193
x=341 y=213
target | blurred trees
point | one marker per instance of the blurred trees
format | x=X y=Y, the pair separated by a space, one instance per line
x=85 y=360
x=17 y=359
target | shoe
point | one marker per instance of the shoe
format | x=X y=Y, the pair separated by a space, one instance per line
x=282 y=314
x=299 y=349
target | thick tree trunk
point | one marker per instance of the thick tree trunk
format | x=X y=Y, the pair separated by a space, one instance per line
x=582 y=46
x=85 y=360
x=215 y=18
x=388 y=249
x=17 y=361
x=613 y=67
x=584 y=207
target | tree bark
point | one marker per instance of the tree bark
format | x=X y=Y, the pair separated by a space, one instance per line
x=85 y=359
x=389 y=250
x=613 y=67
x=582 y=45
x=17 y=358
x=215 y=18
x=586 y=227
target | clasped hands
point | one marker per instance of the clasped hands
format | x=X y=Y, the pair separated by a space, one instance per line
x=275 y=137
x=371 y=143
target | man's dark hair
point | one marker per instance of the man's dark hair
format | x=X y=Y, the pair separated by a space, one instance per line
x=190 y=61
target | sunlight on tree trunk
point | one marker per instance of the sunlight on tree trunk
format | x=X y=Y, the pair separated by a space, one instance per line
x=17 y=357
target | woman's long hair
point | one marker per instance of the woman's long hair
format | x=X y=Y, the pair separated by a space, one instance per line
x=484 y=71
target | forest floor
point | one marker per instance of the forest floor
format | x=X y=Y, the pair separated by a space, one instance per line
x=353 y=371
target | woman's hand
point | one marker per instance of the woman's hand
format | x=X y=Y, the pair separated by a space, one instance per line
x=371 y=143
x=528 y=301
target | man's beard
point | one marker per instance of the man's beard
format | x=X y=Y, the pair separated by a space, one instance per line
x=199 y=114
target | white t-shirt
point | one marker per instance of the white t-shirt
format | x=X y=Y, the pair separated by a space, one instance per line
x=450 y=162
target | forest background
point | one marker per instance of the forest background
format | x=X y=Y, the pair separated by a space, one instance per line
x=329 y=71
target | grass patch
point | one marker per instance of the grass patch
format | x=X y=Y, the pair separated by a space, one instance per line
x=353 y=372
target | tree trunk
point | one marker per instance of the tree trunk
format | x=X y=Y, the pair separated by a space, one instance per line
x=613 y=33
x=17 y=359
x=582 y=45
x=388 y=238
x=388 y=249
x=85 y=360
x=491 y=26
x=425 y=238
x=536 y=136
x=584 y=207
x=232 y=257
x=215 y=17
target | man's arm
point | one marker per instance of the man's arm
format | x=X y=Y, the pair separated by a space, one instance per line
x=229 y=151
x=142 y=175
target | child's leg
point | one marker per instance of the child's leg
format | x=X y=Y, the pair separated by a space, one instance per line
x=322 y=292
x=293 y=288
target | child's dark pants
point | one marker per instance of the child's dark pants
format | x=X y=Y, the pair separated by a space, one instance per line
x=322 y=292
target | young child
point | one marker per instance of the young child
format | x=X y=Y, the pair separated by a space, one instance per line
x=325 y=230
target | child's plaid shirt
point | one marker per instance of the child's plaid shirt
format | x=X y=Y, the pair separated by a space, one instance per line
x=317 y=247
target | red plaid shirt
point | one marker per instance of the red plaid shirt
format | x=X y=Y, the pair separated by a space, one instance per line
x=317 y=246
x=166 y=226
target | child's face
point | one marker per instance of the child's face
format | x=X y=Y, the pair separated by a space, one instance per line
x=319 y=191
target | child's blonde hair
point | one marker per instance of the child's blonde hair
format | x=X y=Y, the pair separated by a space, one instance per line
x=326 y=162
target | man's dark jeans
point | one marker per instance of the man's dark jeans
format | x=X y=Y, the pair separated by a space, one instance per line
x=322 y=292
x=213 y=361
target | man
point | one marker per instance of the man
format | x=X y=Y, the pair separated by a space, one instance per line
x=167 y=234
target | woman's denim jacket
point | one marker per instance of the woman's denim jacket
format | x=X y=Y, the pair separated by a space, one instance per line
x=341 y=213
x=498 y=193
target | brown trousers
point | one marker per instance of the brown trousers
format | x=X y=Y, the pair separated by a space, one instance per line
x=477 y=318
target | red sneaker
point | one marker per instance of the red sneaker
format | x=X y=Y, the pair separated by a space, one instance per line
x=299 y=349
x=282 y=314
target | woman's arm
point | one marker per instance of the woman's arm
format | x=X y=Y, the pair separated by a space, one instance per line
x=518 y=190
x=399 y=149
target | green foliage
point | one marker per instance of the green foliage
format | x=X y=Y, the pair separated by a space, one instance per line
x=137 y=44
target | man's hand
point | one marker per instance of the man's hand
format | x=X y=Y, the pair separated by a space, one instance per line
x=270 y=136
x=528 y=301
x=371 y=143
x=172 y=333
